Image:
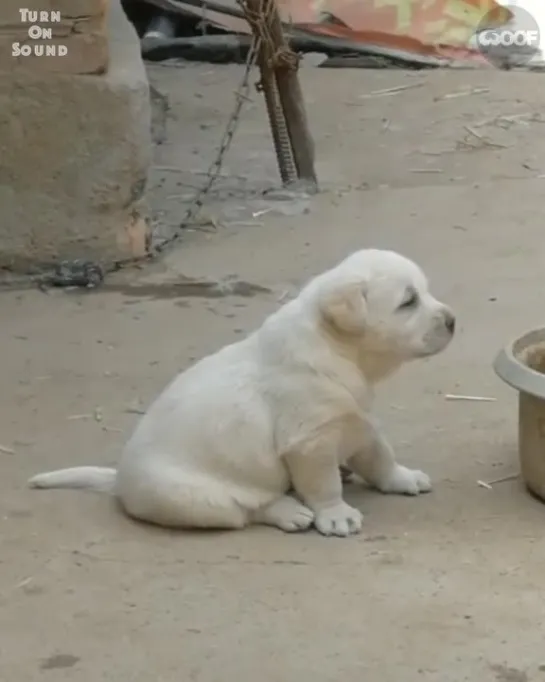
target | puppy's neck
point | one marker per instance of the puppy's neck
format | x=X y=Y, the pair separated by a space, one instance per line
x=372 y=364
x=376 y=366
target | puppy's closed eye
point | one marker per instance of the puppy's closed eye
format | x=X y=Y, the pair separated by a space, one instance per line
x=411 y=300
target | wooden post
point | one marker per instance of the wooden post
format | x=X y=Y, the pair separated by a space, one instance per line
x=264 y=19
x=291 y=95
x=277 y=121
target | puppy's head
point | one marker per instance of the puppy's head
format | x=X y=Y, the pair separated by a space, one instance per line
x=379 y=302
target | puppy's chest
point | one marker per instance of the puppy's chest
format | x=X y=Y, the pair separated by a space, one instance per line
x=353 y=385
x=360 y=395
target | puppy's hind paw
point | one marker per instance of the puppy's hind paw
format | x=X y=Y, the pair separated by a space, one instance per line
x=341 y=520
x=404 y=481
x=287 y=514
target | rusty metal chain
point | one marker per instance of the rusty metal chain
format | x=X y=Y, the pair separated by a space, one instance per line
x=287 y=59
x=241 y=96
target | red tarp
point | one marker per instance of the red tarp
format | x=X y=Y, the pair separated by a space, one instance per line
x=439 y=28
x=432 y=28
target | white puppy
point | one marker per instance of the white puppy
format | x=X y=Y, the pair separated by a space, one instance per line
x=224 y=443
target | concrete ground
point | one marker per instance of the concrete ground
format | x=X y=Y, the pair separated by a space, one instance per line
x=443 y=588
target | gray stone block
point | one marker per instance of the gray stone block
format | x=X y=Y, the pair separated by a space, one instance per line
x=74 y=156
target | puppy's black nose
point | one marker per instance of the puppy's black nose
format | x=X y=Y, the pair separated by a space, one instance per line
x=450 y=322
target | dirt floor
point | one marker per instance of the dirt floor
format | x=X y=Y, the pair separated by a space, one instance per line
x=444 y=588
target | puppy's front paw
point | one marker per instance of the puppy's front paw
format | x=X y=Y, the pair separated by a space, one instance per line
x=341 y=520
x=404 y=481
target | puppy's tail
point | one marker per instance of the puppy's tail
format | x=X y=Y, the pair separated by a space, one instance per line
x=100 y=479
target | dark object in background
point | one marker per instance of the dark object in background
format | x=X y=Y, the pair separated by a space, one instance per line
x=213 y=49
x=161 y=26
x=143 y=15
x=197 y=39
x=76 y=273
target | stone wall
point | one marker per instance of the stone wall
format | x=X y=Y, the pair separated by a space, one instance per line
x=75 y=143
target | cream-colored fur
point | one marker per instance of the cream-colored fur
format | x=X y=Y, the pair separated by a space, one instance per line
x=224 y=443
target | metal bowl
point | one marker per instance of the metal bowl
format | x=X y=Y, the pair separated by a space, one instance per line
x=509 y=366
x=516 y=365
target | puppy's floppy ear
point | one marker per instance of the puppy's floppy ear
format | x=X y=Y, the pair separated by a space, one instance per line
x=344 y=308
